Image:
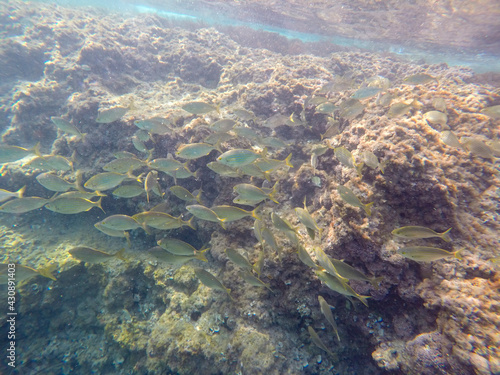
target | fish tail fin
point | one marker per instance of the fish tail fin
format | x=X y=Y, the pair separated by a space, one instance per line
x=255 y=215
x=127 y=237
x=382 y=165
x=376 y=281
x=145 y=227
x=229 y=294
x=363 y=299
x=217 y=108
x=98 y=193
x=189 y=223
x=120 y=256
x=222 y=224
x=147 y=195
x=198 y=196
x=337 y=333
x=99 y=204
x=200 y=255
x=150 y=156
x=47 y=272
x=36 y=149
x=273 y=192
x=445 y=235
x=21 y=191
x=287 y=160
x=267 y=176
x=368 y=208
x=82 y=136
x=457 y=254
x=359 y=167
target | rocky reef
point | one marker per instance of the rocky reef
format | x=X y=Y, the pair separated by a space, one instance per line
x=143 y=316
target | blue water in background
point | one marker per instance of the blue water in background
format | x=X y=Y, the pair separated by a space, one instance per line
x=479 y=62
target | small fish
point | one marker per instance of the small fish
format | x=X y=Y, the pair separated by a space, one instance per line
x=110 y=115
x=58 y=162
x=81 y=194
x=416 y=232
x=385 y=100
x=184 y=194
x=22 y=205
x=259 y=263
x=348 y=196
x=90 y=255
x=70 y=206
x=332 y=130
x=477 y=147
x=305 y=218
x=231 y=213
x=366 y=92
x=269 y=239
x=142 y=135
x=123 y=165
x=10 y=153
x=326 y=262
x=55 y=183
x=239 y=157
x=371 y=160
x=427 y=253
x=351 y=109
x=316 y=181
x=258 y=226
x=352 y=273
x=113 y=232
x=254 y=281
x=378 y=81
x=238 y=259
x=151 y=184
x=401 y=109
x=204 y=213
x=6 y=195
x=282 y=224
x=223 y=125
x=124 y=154
x=326 y=108
x=120 y=222
x=243 y=114
x=345 y=157
x=253 y=193
x=246 y=132
x=223 y=170
x=153 y=126
x=271 y=165
x=194 y=150
x=176 y=260
x=108 y=180
x=336 y=285
x=493 y=112
x=327 y=312
x=211 y=281
x=450 y=139
x=439 y=104
x=419 y=79
x=128 y=191
x=139 y=145
x=273 y=142
x=436 y=117
x=67 y=127
x=305 y=257
x=253 y=170
x=199 y=108
x=178 y=247
x=317 y=341
x=162 y=220
x=166 y=165
x=24 y=273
